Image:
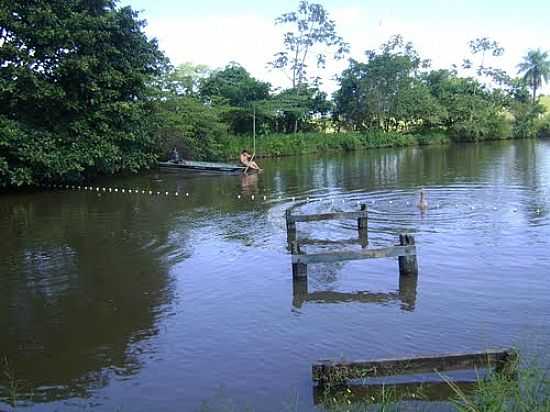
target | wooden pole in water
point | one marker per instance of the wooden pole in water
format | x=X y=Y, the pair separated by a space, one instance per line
x=408 y=265
x=299 y=270
x=299 y=291
x=363 y=225
x=407 y=292
x=290 y=227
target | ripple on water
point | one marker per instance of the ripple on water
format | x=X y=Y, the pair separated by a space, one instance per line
x=450 y=208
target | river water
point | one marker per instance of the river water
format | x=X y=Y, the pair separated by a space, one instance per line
x=139 y=302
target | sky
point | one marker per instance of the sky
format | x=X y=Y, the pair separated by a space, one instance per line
x=216 y=32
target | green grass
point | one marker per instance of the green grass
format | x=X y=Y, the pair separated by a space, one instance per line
x=530 y=392
x=526 y=390
x=12 y=385
x=279 y=145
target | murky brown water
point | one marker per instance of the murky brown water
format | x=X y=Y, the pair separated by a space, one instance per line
x=141 y=302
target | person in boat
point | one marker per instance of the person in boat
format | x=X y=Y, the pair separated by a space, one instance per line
x=246 y=160
x=175 y=156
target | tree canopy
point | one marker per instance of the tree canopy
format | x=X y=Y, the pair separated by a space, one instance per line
x=313 y=33
x=73 y=90
x=84 y=92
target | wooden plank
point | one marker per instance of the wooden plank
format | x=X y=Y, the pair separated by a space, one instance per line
x=429 y=391
x=328 y=370
x=327 y=216
x=393 y=251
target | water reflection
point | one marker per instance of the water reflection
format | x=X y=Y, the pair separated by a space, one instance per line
x=102 y=294
x=249 y=183
x=405 y=295
x=83 y=285
x=426 y=391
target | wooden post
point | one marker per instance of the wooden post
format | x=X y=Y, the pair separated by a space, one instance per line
x=299 y=291
x=290 y=227
x=407 y=292
x=408 y=265
x=299 y=270
x=362 y=226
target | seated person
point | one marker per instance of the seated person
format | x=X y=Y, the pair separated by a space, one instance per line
x=246 y=160
x=175 y=156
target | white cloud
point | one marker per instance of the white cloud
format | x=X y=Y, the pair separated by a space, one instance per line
x=217 y=40
x=252 y=40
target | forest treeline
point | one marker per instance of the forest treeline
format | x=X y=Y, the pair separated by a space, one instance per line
x=84 y=92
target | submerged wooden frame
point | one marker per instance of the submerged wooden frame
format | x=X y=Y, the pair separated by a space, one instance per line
x=405 y=251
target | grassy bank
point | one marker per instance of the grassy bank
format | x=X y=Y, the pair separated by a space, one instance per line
x=279 y=145
x=527 y=391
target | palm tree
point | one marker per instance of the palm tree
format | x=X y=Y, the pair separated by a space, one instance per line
x=535 y=68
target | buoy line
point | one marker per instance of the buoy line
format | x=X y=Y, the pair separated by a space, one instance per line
x=253 y=197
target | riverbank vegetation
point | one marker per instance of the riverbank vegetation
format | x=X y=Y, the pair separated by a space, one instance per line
x=84 y=92
x=527 y=391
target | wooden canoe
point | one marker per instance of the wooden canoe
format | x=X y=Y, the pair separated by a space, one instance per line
x=207 y=166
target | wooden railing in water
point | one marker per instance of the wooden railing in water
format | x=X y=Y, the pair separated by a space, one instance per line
x=405 y=251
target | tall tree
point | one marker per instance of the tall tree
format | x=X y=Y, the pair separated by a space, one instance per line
x=535 y=68
x=484 y=46
x=234 y=87
x=73 y=90
x=306 y=44
x=385 y=92
x=185 y=79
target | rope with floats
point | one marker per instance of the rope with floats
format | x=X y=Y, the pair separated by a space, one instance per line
x=278 y=198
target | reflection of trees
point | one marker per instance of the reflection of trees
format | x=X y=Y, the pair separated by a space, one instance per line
x=249 y=183
x=531 y=168
x=377 y=168
x=83 y=283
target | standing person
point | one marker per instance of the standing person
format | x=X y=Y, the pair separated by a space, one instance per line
x=246 y=160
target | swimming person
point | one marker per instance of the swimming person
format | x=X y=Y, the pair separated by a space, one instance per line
x=423 y=202
x=246 y=160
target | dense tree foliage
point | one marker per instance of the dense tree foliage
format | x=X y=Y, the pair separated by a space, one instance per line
x=394 y=90
x=73 y=78
x=237 y=90
x=385 y=92
x=84 y=92
x=185 y=79
x=184 y=121
x=304 y=110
